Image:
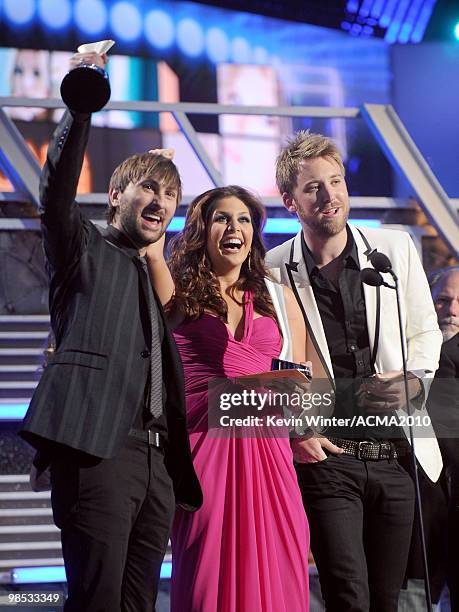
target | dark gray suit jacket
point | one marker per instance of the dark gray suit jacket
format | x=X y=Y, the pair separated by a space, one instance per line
x=94 y=384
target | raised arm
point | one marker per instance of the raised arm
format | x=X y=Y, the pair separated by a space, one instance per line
x=161 y=280
x=63 y=227
x=160 y=276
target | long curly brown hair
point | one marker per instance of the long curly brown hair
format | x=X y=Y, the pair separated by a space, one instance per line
x=196 y=287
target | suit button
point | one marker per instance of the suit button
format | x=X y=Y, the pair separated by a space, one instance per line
x=145 y=354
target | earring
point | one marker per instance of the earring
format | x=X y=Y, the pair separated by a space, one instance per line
x=249 y=261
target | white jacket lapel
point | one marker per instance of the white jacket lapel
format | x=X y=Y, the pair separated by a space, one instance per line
x=303 y=286
x=368 y=291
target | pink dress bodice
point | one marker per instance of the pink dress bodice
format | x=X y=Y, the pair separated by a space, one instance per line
x=247 y=547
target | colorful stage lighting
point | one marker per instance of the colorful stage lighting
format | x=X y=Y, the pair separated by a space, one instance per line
x=19 y=12
x=159 y=29
x=190 y=37
x=240 y=50
x=217 y=45
x=90 y=16
x=55 y=14
x=126 y=21
x=56 y=573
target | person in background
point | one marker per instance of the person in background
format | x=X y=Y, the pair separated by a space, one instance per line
x=30 y=78
x=444 y=409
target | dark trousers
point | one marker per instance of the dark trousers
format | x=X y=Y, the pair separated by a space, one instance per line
x=115 y=518
x=453 y=556
x=435 y=519
x=360 y=516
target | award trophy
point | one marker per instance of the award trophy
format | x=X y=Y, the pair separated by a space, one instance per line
x=86 y=88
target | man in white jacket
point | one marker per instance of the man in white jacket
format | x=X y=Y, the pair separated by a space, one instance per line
x=358 y=499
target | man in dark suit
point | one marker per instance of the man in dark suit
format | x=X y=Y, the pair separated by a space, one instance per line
x=444 y=408
x=109 y=408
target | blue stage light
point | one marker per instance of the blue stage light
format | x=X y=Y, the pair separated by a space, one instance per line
x=365 y=8
x=13 y=412
x=217 y=45
x=288 y=225
x=126 y=21
x=456 y=31
x=405 y=31
x=388 y=13
x=283 y=225
x=159 y=29
x=410 y=19
x=166 y=570
x=352 y=6
x=240 y=50
x=260 y=55
x=190 y=37
x=91 y=16
x=397 y=20
x=423 y=20
x=55 y=14
x=377 y=8
x=19 y=12
x=176 y=225
x=56 y=574
x=35 y=575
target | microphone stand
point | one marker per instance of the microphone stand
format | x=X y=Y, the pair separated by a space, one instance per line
x=412 y=443
x=372 y=276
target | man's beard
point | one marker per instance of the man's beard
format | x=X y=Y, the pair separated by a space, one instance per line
x=325 y=227
x=134 y=232
x=449 y=327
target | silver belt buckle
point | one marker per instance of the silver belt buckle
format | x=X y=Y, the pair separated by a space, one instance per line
x=360 y=447
x=153 y=438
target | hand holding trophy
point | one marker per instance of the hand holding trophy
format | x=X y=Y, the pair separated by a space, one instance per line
x=86 y=88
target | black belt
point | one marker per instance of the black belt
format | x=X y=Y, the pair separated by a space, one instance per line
x=150 y=437
x=367 y=450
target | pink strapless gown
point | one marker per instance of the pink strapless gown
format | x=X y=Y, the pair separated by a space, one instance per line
x=246 y=549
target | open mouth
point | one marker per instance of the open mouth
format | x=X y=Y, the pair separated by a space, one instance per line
x=330 y=212
x=151 y=220
x=231 y=245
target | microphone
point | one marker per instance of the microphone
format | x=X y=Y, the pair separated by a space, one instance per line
x=371 y=277
x=381 y=263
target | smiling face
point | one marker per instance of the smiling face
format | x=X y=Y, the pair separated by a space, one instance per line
x=229 y=234
x=320 y=198
x=144 y=210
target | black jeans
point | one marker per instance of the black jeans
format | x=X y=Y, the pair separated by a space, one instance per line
x=115 y=518
x=360 y=516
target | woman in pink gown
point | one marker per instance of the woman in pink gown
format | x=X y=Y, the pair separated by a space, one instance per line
x=246 y=549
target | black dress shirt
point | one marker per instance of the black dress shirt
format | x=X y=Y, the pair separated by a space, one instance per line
x=339 y=295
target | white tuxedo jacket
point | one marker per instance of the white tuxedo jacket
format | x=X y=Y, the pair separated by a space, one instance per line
x=423 y=338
